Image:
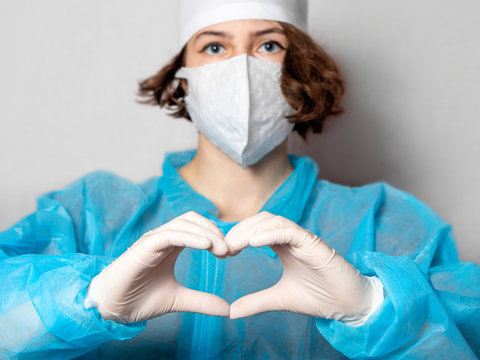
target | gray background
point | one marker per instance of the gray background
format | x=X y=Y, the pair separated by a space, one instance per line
x=68 y=81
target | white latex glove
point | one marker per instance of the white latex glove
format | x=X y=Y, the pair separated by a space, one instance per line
x=315 y=281
x=141 y=285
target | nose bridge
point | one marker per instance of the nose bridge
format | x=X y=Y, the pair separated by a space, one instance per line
x=242 y=50
x=243 y=45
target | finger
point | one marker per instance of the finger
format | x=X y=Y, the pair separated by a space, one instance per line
x=152 y=249
x=256 y=303
x=180 y=238
x=284 y=236
x=311 y=250
x=203 y=221
x=237 y=237
x=247 y=223
x=273 y=230
x=180 y=223
x=195 y=223
x=265 y=223
x=219 y=247
x=188 y=300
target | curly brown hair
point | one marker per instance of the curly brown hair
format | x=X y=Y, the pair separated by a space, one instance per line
x=310 y=82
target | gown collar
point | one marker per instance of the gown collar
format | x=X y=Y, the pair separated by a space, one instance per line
x=289 y=200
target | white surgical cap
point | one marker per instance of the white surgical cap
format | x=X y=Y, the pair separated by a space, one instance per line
x=197 y=14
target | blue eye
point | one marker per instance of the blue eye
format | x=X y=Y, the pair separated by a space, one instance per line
x=270 y=47
x=213 y=49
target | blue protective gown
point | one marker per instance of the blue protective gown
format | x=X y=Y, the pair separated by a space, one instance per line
x=47 y=260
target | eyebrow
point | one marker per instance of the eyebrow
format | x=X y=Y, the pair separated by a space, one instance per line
x=269 y=31
x=213 y=33
x=229 y=36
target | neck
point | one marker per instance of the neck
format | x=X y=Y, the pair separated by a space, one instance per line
x=237 y=192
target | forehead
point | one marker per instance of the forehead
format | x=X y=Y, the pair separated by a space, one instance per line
x=239 y=27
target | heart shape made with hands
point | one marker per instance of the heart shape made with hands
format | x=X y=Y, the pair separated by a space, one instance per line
x=140 y=284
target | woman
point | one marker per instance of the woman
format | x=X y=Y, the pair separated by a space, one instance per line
x=232 y=219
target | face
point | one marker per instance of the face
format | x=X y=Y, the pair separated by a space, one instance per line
x=261 y=39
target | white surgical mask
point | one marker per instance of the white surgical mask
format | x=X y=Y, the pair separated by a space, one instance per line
x=238 y=105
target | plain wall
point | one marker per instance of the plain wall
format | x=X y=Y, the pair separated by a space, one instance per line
x=69 y=73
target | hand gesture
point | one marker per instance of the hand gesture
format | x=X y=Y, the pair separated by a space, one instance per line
x=315 y=281
x=140 y=284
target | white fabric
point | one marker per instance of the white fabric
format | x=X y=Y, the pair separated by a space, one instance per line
x=197 y=14
x=239 y=106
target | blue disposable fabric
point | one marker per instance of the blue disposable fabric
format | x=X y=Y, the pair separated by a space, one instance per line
x=432 y=307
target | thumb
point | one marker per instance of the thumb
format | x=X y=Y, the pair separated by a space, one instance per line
x=188 y=300
x=256 y=303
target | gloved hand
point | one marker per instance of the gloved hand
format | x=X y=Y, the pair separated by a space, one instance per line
x=315 y=281
x=140 y=284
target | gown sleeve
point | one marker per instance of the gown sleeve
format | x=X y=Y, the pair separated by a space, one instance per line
x=432 y=300
x=47 y=261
